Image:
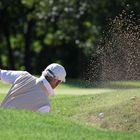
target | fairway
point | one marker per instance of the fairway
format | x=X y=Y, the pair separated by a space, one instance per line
x=78 y=91
x=74 y=114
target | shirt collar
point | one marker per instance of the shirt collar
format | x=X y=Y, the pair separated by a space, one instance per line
x=47 y=85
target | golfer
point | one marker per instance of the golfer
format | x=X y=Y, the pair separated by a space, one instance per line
x=29 y=92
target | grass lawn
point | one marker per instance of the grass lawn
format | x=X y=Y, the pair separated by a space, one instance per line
x=74 y=114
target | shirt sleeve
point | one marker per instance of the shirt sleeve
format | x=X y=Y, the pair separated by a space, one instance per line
x=9 y=76
x=44 y=109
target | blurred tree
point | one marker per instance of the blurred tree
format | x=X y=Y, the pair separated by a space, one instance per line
x=39 y=32
x=5 y=26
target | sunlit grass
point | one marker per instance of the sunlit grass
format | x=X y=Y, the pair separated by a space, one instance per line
x=34 y=126
x=114 y=104
x=74 y=114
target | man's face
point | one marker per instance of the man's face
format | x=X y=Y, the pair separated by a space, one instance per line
x=54 y=83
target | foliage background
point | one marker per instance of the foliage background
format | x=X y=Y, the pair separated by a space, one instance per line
x=35 y=33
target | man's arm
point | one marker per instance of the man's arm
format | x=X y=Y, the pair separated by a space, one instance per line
x=9 y=76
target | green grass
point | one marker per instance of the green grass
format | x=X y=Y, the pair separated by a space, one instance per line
x=120 y=109
x=33 y=126
x=74 y=114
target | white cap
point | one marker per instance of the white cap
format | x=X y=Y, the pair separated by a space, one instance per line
x=55 y=71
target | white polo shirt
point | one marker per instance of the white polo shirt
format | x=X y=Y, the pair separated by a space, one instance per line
x=9 y=76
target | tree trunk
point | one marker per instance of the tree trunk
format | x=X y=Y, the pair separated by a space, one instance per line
x=10 y=53
x=28 y=41
x=0 y=52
